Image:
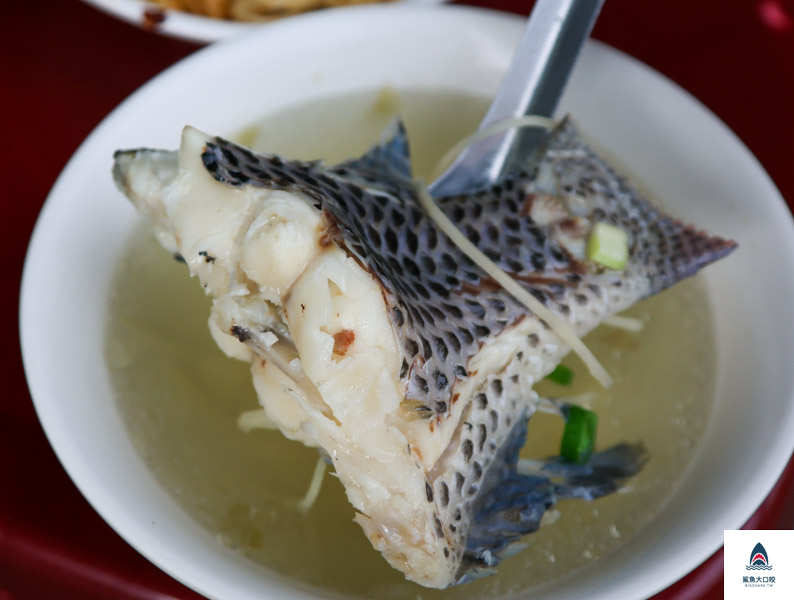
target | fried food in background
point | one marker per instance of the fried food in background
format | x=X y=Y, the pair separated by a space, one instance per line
x=254 y=10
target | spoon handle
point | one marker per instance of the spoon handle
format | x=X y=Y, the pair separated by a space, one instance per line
x=555 y=34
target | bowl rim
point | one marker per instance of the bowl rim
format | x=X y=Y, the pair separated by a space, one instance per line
x=100 y=500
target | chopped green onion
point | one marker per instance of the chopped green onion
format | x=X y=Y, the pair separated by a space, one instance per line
x=561 y=375
x=578 y=438
x=609 y=246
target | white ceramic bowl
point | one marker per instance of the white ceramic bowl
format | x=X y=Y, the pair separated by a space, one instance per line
x=184 y=25
x=661 y=135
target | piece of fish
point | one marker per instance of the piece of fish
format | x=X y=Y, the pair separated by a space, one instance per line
x=374 y=338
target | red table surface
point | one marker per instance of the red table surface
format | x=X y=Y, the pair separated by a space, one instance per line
x=65 y=66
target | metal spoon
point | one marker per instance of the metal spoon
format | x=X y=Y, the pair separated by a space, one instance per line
x=555 y=34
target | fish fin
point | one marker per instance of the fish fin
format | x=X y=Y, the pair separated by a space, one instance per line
x=599 y=476
x=474 y=573
x=390 y=158
x=669 y=249
x=512 y=504
x=681 y=251
x=565 y=168
x=385 y=167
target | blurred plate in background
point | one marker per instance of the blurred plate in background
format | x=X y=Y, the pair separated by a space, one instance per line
x=187 y=26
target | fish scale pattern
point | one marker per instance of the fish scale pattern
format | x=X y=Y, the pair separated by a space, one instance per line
x=443 y=306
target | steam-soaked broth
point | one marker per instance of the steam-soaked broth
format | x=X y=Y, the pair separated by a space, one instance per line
x=180 y=396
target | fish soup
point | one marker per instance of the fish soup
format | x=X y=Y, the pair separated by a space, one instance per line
x=181 y=397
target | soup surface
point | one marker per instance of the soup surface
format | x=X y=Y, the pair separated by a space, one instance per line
x=181 y=397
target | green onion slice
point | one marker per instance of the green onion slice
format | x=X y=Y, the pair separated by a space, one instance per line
x=561 y=375
x=578 y=438
x=608 y=246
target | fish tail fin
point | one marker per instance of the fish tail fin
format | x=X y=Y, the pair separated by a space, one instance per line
x=599 y=476
x=673 y=251
x=661 y=247
x=519 y=493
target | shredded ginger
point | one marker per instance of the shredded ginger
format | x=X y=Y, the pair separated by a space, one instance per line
x=561 y=328
x=626 y=323
x=305 y=503
x=564 y=331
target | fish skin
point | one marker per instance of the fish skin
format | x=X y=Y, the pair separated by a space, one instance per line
x=442 y=305
x=470 y=353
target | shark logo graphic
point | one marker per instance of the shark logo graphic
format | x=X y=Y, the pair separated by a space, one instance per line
x=758 y=559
